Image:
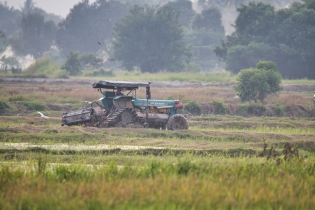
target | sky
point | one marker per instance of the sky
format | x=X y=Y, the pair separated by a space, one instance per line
x=58 y=7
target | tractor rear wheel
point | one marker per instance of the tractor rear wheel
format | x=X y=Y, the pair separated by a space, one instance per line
x=177 y=122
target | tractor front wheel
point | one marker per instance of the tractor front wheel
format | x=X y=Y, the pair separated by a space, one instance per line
x=177 y=122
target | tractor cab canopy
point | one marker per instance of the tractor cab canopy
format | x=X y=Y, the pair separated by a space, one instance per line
x=123 y=85
x=120 y=85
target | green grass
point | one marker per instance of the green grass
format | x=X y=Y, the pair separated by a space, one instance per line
x=299 y=81
x=187 y=183
x=260 y=129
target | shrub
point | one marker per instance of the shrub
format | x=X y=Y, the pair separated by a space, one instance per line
x=17 y=98
x=9 y=61
x=44 y=67
x=266 y=65
x=3 y=106
x=220 y=108
x=32 y=105
x=90 y=59
x=73 y=65
x=255 y=84
x=280 y=110
x=171 y=97
x=102 y=72
x=257 y=109
x=193 y=108
x=182 y=98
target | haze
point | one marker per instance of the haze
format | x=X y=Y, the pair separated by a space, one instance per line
x=57 y=7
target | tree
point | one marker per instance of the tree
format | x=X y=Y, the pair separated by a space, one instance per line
x=28 y=7
x=246 y=56
x=207 y=30
x=9 y=61
x=150 y=38
x=73 y=65
x=285 y=37
x=87 y=24
x=254 y=19
x=185 y=9
x=9 y=19
x=209 y=19
x=91 y=60
x=36 y=36
x=256 y=83
x=202 y=43
x=3 y=41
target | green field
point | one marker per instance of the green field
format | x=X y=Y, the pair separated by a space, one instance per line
x=44 y=166
x=224 y=161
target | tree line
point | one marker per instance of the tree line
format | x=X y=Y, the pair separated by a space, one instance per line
x=170 y=36
x=90 y=23
x=285 y=36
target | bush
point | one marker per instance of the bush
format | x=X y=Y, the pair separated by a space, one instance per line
x=220 y=108
x=171 y=97
x=255 y=84
x=73 y=64
x=193 y=108
x=90 y=59
x=257 y=109
x=280 y=110
x=102 y=72
x=32 y=105
x=44 y=67
x=3 y=106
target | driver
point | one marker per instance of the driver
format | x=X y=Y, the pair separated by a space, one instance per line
x=118 y=92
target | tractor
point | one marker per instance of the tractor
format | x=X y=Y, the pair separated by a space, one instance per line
x=120 y=107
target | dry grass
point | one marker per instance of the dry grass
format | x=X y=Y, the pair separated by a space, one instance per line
x=185 y=184
x=290 y=99
x=71 y=95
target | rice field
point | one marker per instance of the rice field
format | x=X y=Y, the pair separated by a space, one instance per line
x=221 y=162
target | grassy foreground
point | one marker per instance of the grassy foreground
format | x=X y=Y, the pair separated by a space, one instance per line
x=219 y=163
x=185 y=184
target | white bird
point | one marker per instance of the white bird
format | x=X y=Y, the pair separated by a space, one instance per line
x=42 y=115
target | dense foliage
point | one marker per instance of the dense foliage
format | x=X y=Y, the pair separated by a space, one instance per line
x=8 y=19
x=8 y=24
x=185 y=10
x=72 y=64
x=36 y=35
x=151 y=38
x=75 y=63
x=87 y=24
x=29 y=31
x=286 y=37
x=262 y=32
x=9 y=61
x=255 y=84
x=205 y=33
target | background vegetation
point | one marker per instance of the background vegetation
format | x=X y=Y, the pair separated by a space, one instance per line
x=256 y=84
x=261 y=31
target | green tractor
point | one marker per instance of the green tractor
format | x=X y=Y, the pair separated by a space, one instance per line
x=120 y=107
